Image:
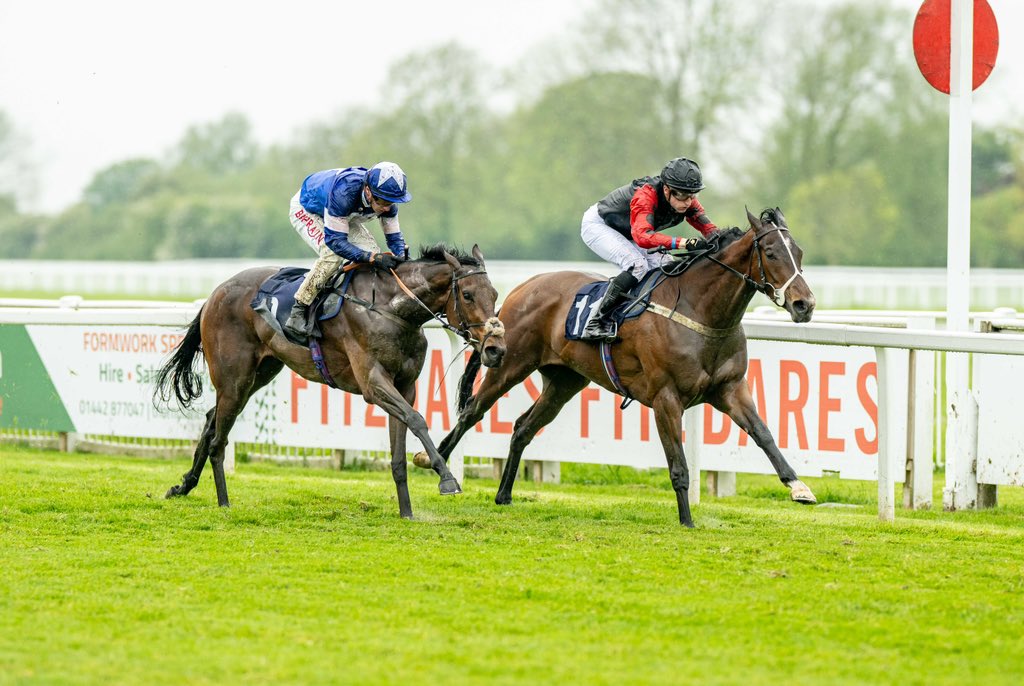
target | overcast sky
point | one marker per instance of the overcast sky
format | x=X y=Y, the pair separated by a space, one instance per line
x=92 y=82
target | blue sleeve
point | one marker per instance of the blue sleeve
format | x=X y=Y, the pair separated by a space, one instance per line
x=337 y=241
x=343 y=198
x=396 y=244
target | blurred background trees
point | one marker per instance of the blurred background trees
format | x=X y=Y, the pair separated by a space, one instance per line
x=819 y=110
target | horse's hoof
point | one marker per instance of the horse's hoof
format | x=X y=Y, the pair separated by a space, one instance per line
x=421 y=460
x=449 y=487
x=799 y=492
x=688 y=525
x=502 y=500
x=172 y=492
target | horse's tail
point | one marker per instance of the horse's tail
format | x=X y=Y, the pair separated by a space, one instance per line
x=468 y=378
x=178 y=375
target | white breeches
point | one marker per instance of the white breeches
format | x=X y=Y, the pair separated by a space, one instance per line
x=611 y=245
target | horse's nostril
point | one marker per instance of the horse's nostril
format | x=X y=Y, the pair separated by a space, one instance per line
x=493 y=355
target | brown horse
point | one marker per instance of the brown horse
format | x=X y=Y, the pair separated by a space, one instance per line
x=375 y=347
x=694 y=352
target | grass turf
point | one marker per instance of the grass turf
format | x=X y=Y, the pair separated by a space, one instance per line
x=311 y=577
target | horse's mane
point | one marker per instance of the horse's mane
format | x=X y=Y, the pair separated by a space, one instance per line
x=728 y=236
x=435 y=253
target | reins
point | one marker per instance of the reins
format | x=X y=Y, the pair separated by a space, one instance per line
x=764 y=286
x=465 y=328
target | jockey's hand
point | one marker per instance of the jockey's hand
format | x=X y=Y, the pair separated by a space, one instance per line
x=694 y=244
x=385 y=261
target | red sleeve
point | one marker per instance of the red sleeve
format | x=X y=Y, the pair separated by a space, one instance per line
x=641 y=212
x=699 y=220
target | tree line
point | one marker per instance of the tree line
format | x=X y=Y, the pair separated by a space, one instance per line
x=819 y=111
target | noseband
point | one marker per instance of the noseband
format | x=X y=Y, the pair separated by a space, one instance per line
x=492 y=326
x=764 y=285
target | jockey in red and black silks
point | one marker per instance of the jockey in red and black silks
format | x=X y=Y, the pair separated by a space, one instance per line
x=626 y=222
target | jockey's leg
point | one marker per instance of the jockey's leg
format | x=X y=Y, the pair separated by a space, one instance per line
x=316 y=278
x=600 y=326
x=611 y=245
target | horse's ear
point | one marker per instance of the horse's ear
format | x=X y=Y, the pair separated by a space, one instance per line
x=451 y=260
x=755 y=223
x=781 y=218
x=477 y=254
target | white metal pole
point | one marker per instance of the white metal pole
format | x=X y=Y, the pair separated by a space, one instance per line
x=887 y=421
x=961 y=481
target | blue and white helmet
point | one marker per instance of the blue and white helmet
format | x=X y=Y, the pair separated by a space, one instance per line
x=387 y=181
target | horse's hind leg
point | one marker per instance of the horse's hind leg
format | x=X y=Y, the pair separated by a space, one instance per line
x=190 y=479
x=668 y=415
x=230 y=401
x=560 y=385
x=736 y=401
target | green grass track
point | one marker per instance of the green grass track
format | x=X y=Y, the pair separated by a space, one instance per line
x=312 y=578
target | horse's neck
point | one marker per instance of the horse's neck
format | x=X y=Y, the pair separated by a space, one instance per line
x=718 y=297
x=431 y=285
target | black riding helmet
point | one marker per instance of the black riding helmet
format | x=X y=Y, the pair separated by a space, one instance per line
x=682 y=174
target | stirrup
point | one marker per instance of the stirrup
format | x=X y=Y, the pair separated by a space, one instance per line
x=608 y=332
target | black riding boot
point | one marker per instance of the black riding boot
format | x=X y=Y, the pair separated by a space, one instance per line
x=600 y=327
x=298 y=320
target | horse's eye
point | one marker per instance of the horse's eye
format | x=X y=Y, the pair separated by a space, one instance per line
x=769 y=254
x=468 y=295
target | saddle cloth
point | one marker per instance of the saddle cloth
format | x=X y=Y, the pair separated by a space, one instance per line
x=587 y=298
x=276 y=295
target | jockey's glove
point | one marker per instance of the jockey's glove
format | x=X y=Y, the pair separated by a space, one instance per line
x=386 y=261
x=694 y=244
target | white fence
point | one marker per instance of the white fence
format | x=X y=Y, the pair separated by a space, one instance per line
x=860 y=399
x=838 y=287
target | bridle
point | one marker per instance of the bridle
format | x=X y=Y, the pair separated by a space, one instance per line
x=764 y=285
x=493 y=328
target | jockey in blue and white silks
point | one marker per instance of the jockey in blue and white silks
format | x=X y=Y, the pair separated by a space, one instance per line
x=330 y=212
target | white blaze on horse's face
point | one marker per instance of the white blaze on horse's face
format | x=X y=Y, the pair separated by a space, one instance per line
x=780 y=292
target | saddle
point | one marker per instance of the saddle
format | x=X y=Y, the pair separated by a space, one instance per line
x=587 y=298
x=637 y=300
x=276 y=295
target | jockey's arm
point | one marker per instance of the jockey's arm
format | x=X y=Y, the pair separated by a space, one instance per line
x=641 y=212
x=336 y=238
x=393 y=234
x=700 y=220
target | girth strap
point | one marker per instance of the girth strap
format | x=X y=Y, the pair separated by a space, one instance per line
x=702 y=329
x=318 y=360
x=613 y=375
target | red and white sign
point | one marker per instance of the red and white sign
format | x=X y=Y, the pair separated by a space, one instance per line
x=932 y=42
x=819 y=402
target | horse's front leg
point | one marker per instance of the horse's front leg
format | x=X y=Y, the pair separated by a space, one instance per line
x=381 y=391
x=668 y=415
x=735 y=400
x=399 y=468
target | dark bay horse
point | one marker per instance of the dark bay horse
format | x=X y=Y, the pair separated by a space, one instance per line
x=375 y=348
x=691 y=349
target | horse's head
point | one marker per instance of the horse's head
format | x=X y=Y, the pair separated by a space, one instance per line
x=471 y=308
x=780 y=261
